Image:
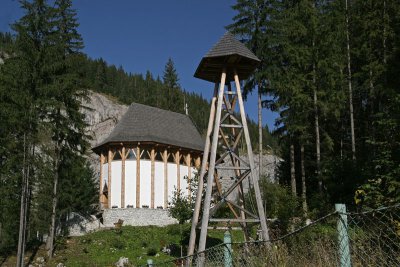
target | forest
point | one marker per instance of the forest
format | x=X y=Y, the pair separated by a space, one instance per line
x=329 y=69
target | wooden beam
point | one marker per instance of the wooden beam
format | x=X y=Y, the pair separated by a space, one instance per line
x=123 y=157
x=178 y=170
x=110 y=157
x=189 y=176
x=257 y=192
x=152 y=157
x=138 y=177
x=203 y=168
x=211 y=169
x=101 y=180
x=165 y=158
x=197 y=162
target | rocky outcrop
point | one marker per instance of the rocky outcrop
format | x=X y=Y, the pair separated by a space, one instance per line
x=102 y=114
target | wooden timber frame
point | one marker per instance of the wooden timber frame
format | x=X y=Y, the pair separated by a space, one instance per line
x=167 y=153
x=225 y=131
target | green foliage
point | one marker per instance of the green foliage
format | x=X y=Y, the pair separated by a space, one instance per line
x=279 y=203
x=304 y=48
x=42 y=136
x=180 y=207
x=151 y=251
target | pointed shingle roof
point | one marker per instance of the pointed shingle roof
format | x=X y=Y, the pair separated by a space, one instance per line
x=143 y=123
x=230 y=53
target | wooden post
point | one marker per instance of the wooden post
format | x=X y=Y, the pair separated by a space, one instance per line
x=178 y=170
x=101 y=180
x=110 y=157
x=152 y=157
x=197 y=162
x=189 y=175
x=138 y=177
x=257 y=192
x=165 y=158
x=197 y=205
x=123 y=178
x=211 y=169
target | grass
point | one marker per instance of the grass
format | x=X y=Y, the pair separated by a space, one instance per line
x=137 y=243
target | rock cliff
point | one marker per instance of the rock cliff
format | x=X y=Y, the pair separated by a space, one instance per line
x=102 y=114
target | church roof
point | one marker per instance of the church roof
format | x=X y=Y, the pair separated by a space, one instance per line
x=230 y=53
x=143 y=123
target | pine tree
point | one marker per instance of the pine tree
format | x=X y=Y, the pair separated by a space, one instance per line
x=29 y=82
x=64 y=117
x=170 y=76
x=170 y=79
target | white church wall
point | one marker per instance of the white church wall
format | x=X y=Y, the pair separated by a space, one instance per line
x=116 y=171
x=105 y=175
x=172 y=179
x=159 y=184
x=145 y=182
x=184 y=184
x=130 y=183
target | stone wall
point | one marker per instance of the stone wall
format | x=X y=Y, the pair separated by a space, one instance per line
x=137 y=217
x=79 y=225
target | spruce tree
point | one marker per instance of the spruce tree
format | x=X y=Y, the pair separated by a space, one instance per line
x=65 y=95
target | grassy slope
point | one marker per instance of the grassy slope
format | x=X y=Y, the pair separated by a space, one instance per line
x=104 y=248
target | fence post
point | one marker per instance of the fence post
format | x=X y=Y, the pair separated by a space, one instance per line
x=227 y=249
x=344 y=247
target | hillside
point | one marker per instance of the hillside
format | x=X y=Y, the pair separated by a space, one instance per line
x=106 y=247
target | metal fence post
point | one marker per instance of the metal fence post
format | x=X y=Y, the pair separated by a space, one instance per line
x=344 y=247
x=227 y=249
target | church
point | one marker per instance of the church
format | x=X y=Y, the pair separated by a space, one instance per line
x=150 y=153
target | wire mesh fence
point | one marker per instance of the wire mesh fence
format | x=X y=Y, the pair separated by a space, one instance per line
x=370 y=238
x=374 y=237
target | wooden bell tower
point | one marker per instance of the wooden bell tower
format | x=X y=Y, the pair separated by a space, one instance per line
x=229 y=61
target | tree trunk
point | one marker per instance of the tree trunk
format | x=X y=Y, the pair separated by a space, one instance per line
x=316 y=124
x=353 y=138
x=52 y=230
x=260 y=137
x=384 y=34
x=292 y=171
x=23 y=206
x=303 y=182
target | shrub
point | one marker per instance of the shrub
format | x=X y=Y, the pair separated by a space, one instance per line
x=151 y=251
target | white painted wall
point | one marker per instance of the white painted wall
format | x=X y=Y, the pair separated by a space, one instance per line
x=145 y=182
x=159 y=184
x=116 y=171
x=130 y=183
x=105 y=175
x=184 y=184
x=172 y=183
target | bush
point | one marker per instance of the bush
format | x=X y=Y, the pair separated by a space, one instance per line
x=151 y=251
x=279 y=203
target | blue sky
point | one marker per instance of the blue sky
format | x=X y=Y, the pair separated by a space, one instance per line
x=142 y=35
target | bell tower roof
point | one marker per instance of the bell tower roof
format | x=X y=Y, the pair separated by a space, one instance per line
x=228 y=52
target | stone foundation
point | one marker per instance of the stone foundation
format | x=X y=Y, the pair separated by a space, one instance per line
x=137 y=217
x=79 y=226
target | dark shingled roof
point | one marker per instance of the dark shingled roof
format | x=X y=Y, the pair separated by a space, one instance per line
x=143 y=123
x=230 y=53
